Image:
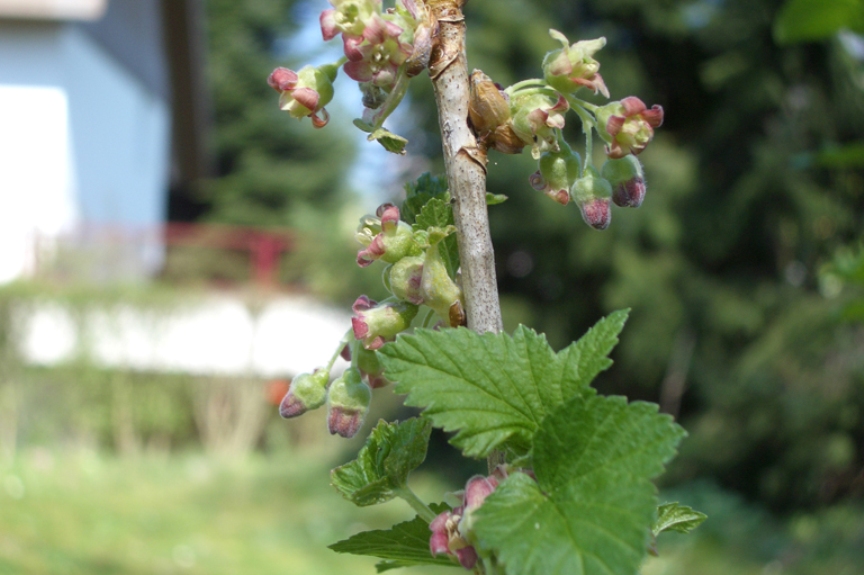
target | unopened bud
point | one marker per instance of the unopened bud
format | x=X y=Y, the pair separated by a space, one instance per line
x=558 y=171
x=374 y=324
x=439 y=290
x=404 y=279
x=370 y=368
x=347 y=403
x=627 y=180
x=593 y=195
x=307 y=391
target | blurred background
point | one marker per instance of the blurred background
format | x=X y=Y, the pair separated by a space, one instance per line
x=173 y=249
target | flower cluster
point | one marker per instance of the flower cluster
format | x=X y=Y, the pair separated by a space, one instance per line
x=532 y=113
x=452 y=531
x=415 y=275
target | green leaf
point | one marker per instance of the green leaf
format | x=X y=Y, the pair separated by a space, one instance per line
x=403 y=545
x=494 y=389
x=418 y=193
x=676 y=517
x=809 y=20
x=390 y=141
x=591 y=509
x=589 y=356
x=437 y=213
x=392 y=451
x=495 y=199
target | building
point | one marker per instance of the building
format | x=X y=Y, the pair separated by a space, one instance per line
x=102 y=111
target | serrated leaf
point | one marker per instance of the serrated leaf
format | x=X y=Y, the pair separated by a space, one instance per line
x=438 y=213
x=677 y=517
x=382 y=466
x=418 y=193
x=403 y=545
x=589 y=356
x=494 y=389
x=591 y=509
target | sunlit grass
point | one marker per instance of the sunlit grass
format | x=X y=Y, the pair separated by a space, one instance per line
x=91 y=514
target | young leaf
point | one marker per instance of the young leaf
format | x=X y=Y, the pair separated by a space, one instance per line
x=492 y=388
x=403 y=545
x=390 y=141
x=438 y=214
x=677 y=517
x=392 y=451
x=592 y=507
x=418 y=193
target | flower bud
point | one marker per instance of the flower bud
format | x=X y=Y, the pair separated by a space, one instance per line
x=558 y=171
x=374 y=324
x=370 y=368
x=404 y=279
x=536 y=117
x=627 y=180
x=307 y=391
x=385 y=237
x=305 y=93
x=627 y=126
x=593 y=193
x=439 y=290
x=573 y=67
x=348 y=16
x=347 y=403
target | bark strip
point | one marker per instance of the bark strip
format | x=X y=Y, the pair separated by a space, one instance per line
x=465 y=163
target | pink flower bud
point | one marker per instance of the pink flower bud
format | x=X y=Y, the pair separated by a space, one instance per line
x=375 y=324
x=573 y=66
x=593 y=195
x=627 y=179
x=307 y=391
x=476 y=490
x=348 y=401
x=627 y=126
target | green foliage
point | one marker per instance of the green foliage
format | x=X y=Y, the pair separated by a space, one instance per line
x=381 y=469
x=590 y=508
x=419 y=193
x=404 y=545
x=803 y=20
x=493 y=389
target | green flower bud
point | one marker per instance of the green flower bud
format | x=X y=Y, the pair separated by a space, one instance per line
x=347 y=403
x=627 y=180
x=593 y=194
x=307 y=391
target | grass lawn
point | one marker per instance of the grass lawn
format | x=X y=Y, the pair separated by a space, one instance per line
x=93 y=514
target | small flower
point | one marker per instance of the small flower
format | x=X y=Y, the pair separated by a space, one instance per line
x=347 y=403
x=307 y=391
x=385 y=237
x=305 y=93
x=627 y=180
x=573 y=66
x=593 y=194
x=376 y=58
x=536 y=119
x=348 y=16
x=628 y=126
x=558 y=171
x=375 y=324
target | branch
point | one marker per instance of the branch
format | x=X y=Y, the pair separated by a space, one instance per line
x=465 y=164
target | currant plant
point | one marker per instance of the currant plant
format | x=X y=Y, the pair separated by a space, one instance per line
x=569 y=484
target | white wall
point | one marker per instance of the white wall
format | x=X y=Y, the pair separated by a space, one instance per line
x=81 y=140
